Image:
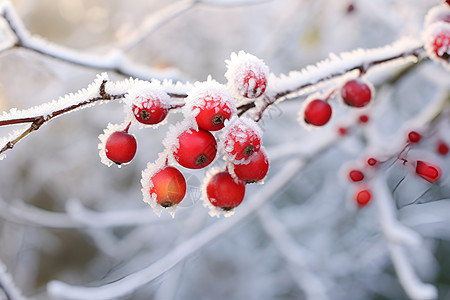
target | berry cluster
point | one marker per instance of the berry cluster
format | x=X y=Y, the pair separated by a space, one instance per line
x=428 y=169
x=210 y=126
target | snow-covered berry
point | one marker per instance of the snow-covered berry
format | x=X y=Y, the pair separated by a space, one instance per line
x=356 y=93
x=255 y=170
x=240 y=139
x=428 y=171
x=317 y=112
x=121 y=147
x=149 y=103
x=247 y=75
x=168 y=186
x=437 y=42
x=225 y=192
x=196 y=149
x=211 y=104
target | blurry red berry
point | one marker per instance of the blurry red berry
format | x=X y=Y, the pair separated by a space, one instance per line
x=342 y=131
x=196 y=150
x=371 y=161
x=363 y=197
x=442 y=148
x=223 y=191
x=317 y=112
x=428 y=171
x=120 y=147
x=414 y=137
x=356 y=175
x=169 y=186
x=441 y=45
x=363 y=118
x=255 y=170
x=356 y=93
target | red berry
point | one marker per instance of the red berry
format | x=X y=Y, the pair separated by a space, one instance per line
x=317 y=112
x=213 y=113
x=241 y=139
x=414 y=137
x=363 y=197
x=371 y=161
x=428 y=171
x=363 y=118
x=356 y=93
x=442 y=148
x=224 y=192
x=356 y=175
x=196 y=150
x=150 y=111
x=254 y=85
x=255 y=170
x=121 y=147
x=169 y=186
x=441 y=45
x=247 y=75
x=342 y=131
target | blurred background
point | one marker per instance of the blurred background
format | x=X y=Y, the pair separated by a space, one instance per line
x=310 y=241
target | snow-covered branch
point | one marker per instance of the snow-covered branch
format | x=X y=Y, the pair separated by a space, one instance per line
x=295 y=256
x=399 y=236
x=115 y=60
x=8 y=286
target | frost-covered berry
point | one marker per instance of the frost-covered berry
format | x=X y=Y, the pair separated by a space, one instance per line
x=168 y=186
x=255 y=170
x=247 y=75
x=121 y=147
x=363 y=197
x=150 y=111
x=428 y=171
x=211 y=104
x=437 y=42
x=356 y=93
x=442 y=148
x=356 y=175
x=196 y=150
x=317 y=112
x=240 y=139
x=224 y=191
x=148 y=102
x=414 y=137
